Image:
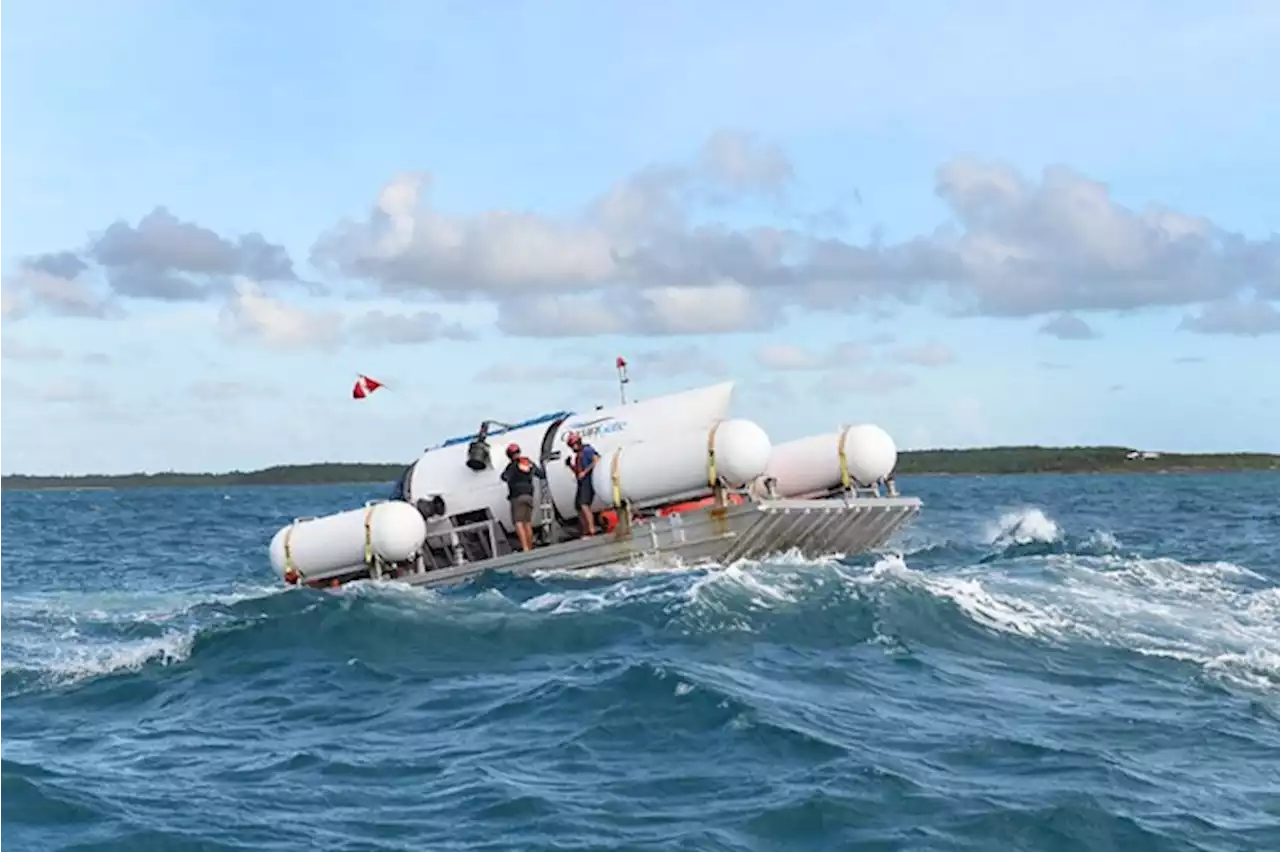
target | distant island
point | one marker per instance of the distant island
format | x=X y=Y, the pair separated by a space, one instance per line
x=985 y=460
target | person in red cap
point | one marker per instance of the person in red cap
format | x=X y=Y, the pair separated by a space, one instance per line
x=518 y=475
x=583 y=464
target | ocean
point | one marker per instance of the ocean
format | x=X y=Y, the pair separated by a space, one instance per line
x=1037 y=663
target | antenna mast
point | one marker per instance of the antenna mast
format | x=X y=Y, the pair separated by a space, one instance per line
x=622 y=378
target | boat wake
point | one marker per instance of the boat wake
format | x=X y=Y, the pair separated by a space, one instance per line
x=1022 y=587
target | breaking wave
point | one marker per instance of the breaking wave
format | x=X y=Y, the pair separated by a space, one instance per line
x=1031 y=582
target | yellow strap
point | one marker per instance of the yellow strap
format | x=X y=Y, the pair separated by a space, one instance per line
x=616 y=478
x=288 y=551
x=711 y=454
x=844 y=461
x=368 y=535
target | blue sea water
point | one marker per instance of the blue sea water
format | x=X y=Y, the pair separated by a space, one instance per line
x=1038 y=663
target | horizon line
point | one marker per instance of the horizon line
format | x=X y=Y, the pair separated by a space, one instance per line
x=955 y=450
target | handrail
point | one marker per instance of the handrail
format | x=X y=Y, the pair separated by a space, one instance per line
x=489 y=525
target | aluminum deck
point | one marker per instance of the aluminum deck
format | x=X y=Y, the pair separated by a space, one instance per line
x=753 y=530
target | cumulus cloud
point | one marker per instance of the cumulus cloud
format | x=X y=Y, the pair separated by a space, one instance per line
x=722 y=307
x=55 y=283
x=851 y=367
x=621 y=264
x=1247 y=319
x=655 y=253
x=252 y=315
x=148 y=260
x=1068 y=327
x=638 y=258
x=161 y=258
x=377 y=327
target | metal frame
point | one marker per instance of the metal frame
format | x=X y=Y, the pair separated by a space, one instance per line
x=839 y=524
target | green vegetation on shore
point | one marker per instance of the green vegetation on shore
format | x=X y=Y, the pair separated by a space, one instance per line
x=986 y=460
x=323 y=473
x=999 y=460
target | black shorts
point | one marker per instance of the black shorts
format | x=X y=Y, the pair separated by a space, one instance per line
x=586 y=493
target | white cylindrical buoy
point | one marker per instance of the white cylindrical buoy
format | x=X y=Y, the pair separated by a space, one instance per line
x=680 y=465
x=812 y=465
x=870 y=453
x=316 y=548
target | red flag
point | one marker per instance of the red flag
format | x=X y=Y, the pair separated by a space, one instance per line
x=364 y=386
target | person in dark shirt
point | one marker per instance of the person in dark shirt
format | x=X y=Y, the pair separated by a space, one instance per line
x=518 y=475
x=583 y=464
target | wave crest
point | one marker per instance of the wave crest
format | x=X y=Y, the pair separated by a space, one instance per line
x=1039 y=584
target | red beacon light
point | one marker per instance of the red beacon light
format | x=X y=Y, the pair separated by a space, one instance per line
x=622 y=378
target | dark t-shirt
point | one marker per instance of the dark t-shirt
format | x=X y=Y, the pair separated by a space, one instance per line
x=519 y=475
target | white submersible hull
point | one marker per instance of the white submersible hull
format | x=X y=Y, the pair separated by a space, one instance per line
x=676 y=478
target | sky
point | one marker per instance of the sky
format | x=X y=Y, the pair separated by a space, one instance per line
x=972 y=224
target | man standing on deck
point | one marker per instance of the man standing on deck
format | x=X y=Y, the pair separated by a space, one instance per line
x=518 y=475
x=583 y=464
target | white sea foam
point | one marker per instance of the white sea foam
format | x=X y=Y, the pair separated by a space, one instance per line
x=1023 y=526
x=71 y=636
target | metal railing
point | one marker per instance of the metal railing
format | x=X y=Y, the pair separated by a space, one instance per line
x=453 y=540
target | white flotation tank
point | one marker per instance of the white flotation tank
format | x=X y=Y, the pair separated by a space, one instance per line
x=335 y=544
x=812 y=465
x=678 y=466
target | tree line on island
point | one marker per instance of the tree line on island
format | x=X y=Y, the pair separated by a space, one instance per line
x=984 y=460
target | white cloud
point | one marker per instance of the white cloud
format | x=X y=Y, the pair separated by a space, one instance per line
x=377 y=327
x=655 y=254
x=1068 y=327
x=633 y=261
x=251 y=314
x=1246 y=319
x=59 y=294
